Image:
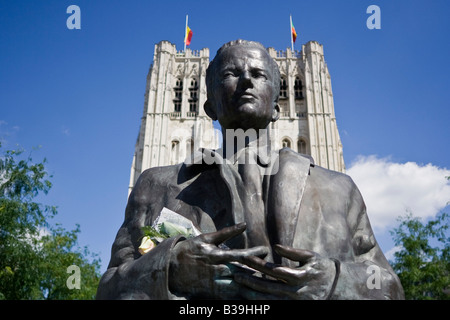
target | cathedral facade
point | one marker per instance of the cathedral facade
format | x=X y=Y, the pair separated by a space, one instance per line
x=174 y=123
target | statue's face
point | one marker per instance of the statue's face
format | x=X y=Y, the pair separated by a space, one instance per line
x=244 y=89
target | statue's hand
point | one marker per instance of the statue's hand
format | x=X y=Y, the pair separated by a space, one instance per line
x=312 y=279
x=199 y=269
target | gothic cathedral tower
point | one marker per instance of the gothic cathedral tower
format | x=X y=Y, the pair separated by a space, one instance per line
x=307 y=122
x=174 y=121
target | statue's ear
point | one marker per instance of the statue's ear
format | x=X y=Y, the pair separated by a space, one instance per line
x=276 y=112
x=209 y=109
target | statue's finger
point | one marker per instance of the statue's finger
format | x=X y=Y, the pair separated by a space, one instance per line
x=265 y=287
x=300 y=255
x=286 y=274
x=221 y=255
x=224 y=234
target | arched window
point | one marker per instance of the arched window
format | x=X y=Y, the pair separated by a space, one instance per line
x=189 y=148
x=193 y=95
x=286 y=143
x=298 y=87
x=178 y=89
x=283 y=88
x=175 y=152
x=301 y=146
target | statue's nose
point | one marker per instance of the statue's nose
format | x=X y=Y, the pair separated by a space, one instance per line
x=246 y=79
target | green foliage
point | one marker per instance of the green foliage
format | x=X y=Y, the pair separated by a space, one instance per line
x=423 y=269
x=154 y=233
x=34 y=256
x=165 y=230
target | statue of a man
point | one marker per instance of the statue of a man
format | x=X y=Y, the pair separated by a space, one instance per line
x=273 y=224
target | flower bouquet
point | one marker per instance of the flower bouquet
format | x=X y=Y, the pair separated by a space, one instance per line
x=168 y=224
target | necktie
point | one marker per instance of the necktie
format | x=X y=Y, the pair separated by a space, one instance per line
x=244 y=182
x=251 y=194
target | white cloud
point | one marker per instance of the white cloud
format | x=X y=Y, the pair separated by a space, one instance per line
x=29 y=238
x=390 y=253
x=390 y=189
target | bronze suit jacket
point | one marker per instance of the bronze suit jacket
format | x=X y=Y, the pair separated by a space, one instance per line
x=303 y=206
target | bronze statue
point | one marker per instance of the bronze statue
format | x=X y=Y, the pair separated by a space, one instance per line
x=273 y=225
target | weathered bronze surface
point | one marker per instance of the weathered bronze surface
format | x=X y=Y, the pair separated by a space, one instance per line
x=274 y=226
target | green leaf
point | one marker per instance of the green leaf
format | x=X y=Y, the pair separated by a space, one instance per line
x=154 y=233
x=173 y=230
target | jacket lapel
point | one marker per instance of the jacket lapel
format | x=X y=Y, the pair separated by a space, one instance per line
x=285 y=188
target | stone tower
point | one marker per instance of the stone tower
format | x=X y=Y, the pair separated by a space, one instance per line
x=307 y=122
x=174 y=122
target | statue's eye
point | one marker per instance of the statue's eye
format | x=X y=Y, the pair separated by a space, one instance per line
x=259 y=75
x=228 y=73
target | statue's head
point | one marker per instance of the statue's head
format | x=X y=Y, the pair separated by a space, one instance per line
x=243 y=85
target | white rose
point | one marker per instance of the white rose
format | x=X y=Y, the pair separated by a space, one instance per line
x=147 y=244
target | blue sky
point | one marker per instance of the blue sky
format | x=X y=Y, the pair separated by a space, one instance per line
x=79 y=94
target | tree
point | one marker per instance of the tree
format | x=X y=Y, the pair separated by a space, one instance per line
x=423 y=269
x=34 y=255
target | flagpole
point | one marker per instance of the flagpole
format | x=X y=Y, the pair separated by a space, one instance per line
x=290 y=31
x=185 y=33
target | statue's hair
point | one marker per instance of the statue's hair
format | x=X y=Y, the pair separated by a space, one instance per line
x=254 y=44
x=240 y=42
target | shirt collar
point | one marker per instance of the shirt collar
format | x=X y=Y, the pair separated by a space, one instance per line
x=205 y=156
